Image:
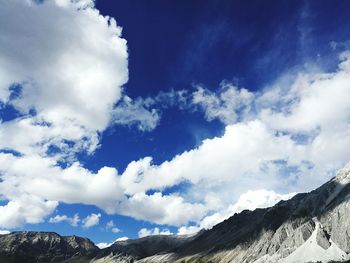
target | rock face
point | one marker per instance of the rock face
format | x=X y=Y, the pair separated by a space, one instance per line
x=148 y=246
x=43 y=247
x=310 y=227
x=274 y=234
x=141 y=249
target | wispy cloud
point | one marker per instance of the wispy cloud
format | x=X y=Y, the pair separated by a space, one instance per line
x=91 y=220
x=73 y=221
x=110 y=226
x=135 y=113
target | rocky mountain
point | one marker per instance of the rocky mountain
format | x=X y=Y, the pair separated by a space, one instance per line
x=146 y=247
x=307 y=228
x=44 y=247
x=310 y=227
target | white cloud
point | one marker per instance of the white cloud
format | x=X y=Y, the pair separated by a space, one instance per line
x=91 y=220
x=115 y=230
x=62 y=55
x=111 y=226
x=135 y=112
x=162 y=209
x=4 y=232
x=153 y=232
x=227 y=105
x=73 y=221
x=25 y=209
x=41 y=178
x=69 y=56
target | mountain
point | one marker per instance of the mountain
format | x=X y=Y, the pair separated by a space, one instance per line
x=310 y=227
x=307 y=228
x=44 y=247
x=146 y=247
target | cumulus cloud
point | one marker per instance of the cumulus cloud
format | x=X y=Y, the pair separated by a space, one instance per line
x=153 y=232
x=162 y=209
x=69 y=56
x=91 y=220
x=25 y=209
x=56 y=59
x=73 y=221
x=40 y=178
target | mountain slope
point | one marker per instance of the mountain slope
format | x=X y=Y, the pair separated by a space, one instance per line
x=312 y=226
x=273 y=234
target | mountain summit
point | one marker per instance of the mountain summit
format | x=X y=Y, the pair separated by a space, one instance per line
x=310 y=227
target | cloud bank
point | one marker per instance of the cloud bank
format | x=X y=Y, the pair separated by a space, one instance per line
x=63 y=72
x=285 y=138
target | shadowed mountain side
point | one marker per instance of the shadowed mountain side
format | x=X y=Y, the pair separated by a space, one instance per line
x=146 y=246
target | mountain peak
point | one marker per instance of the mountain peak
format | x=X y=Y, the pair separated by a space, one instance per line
x=343 y=175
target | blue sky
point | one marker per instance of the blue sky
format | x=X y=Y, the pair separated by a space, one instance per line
x=159 y=117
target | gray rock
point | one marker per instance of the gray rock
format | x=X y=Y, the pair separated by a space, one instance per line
x=322 y=238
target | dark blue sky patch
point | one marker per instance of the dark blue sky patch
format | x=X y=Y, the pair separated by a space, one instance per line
x=8 y=113
x=8 y=151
